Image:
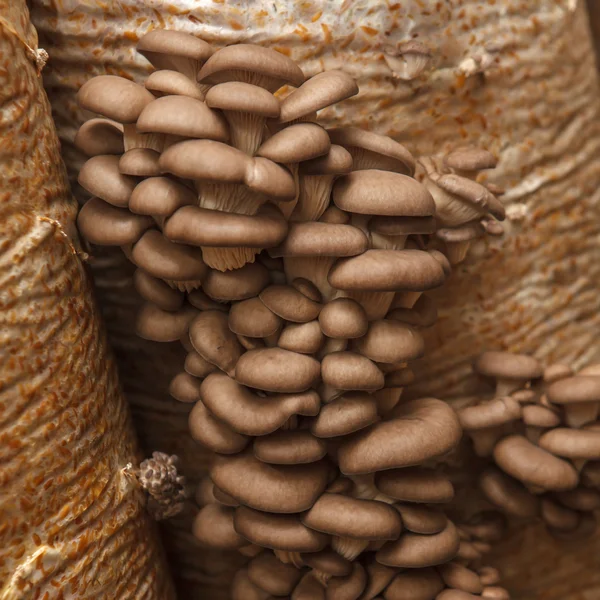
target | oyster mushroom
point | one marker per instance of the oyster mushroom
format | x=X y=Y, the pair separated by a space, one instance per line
x=101 y=177
x=415 y=484
x=273 y=576
x=213 y=526
x=508 y=495
x=579 y=396
x=511 y=371
x=166 y=82
x=100 y=136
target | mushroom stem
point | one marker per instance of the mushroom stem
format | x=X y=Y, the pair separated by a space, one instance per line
x=376 y=304
x=290 y=558
x=457 y=251
x=349 y=548
x=579 y=414
x=406 y=299
x=246 y=130
x=314 y=192
x=132 y=139
x=314 y=269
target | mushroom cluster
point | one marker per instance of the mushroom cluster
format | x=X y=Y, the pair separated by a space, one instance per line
x=540 y=431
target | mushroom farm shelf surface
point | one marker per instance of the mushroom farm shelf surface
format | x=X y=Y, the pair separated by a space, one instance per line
x=446 y=96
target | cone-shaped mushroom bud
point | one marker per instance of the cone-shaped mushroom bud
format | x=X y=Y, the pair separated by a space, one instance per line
x=157 y=291
x=511 y=371
x=175 y=50
x=252 y=64
x=158 y=325
x=118 y=99
x=349 y=413
x=507 y=494
x=185 y=388
x=270 y=488
x=351 y=371
x=270 y=574
x=213 y=527
x=419 y=430
x=172 y=83
x=101 y=177
x=246 y=108
x=421 y=519
x=390 y=342
x=459 y=577
x=160 y=197
x=415 y=484
x=534 y=466
x=579 y=396
x=214 y=434
x=289 y=448
x=419 y=584
x=100 y=136
x=408 y=61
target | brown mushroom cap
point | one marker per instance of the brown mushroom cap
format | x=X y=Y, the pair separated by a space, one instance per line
x=101 y=177
x=100 y=136
x=455 y=595
x=271 y=488
x=243 y=589
x=518 y=457
x=415 y=484
x=421 y=519
x=415 y=551
x=343 y=318
x=158 y=325
x=237 y=284
x=201 y=301
x=328 y=561
x=252 y=63
x=470 y=159
x=536 y=415
x=489 y=575
x=558 y=517
x=252 y=318
x=572 y=443
x=213 y=527
x=390 y=342
x=160 y=196
x=106 y=225
x=157 y=291
x=307 y=288
x=505 y=365
x=114 y=97
x=402 y=225
x=290 y=304
x=575 y=390
x=336 y=161
x=140 y=162
x=349 y=587
x=289 y=448
x=387 y=270
x=420 y=430
x=243 y=97
x=489 y=414
x=373 y=192
x=185 y=388
x=495 y=593
x=347 y=414
x=378 y=578
x=355 y=518
x=558 y=371
x=305 y=338
x=423 y=313
x=272 y=575
x=414 y=585
x=296 y=143
x=309 y=588
x=197 y=366
x=267 y=177
x=172 y=83
x=508 y=494
x=581 y=498
x=351 y=371
x=459 y=577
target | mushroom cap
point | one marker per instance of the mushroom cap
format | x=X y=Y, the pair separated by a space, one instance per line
x=277 y=370
x=420 y=430
x=250 y=58
x=416 y=551
x=184 y=116
x=101 y=177
x=242 y=588
x=383 y=193
x=345 y=516
x=378 y=578
x=532 y=465
x=305 y=338
x=307 y=288
x=421 y=584
x=320 y=91
x=159 y=44
x=206 y=160
x=157 y=291
x=333 y=214
x=402 y=225
x=290 y=304
x=349 y=587
x=423 y=313
x=387 y=271
x=495 y=593
x=489 y=414
x=309 y=588
x=106 y=225
x=463 y=233
x=252 y=318
x=400 y=378
x=574 y=390
x=237 y=284
x=196 y=365
x=270 y=488
x=158 y=325
x=296 y=143
x=273 y=576
x=243 y=97
x=558 y=517
x=267 y=177
x=160 y=196
x=351 y=371
x=201 y=301
x=185 y=388
x=172 y=83
x=213 y=527
x=314 y=238
x=337 y=161
x=581 y=498
x=328 y=561
x=415 y=484
x=352 y=137
x=390 y=342
x=557 y=371
x=572 y=443
x=421 y=519
x=456 y=595
x=506 y=365
x=100 y=136
x=166 y=260
x=343 y=318
x=289 y=447
x=508 y=494
x=459 y=577
x=537 y=415
x=344 y=415
x=140 y=162
x=470 y=158
x=114 y=97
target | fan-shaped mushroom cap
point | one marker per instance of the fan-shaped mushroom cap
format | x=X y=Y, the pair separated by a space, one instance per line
x=372 y=151
x=355 y=518
x=296 y=143
x=243 y=589
x=272 y=575
x=459 y=577
x=101 y=177
x=309 y=588
x=420 y=430
x=290 y=304
x=336 y=161
x=536 y=415
x=421 y=519
x=277 y=370
x=214 y=434
x=271 y=488
x=267 y=177
x=415 y=484
x=470 y=158
x=373 y=192
x=313 y=238
x=213 y=526
x=558 y=517
x=172 y=83
x=508 y=494
x=343 y=318
x=416 y=551
x=305 y=338
x=106 y=225
x=251 y=63
x=160 y=196
x=114 y=97
x=349 y=587
x=157 y=291
x=237 y=284
x=158 y=325
x=347 y=414
x=249 y=413
x=166 y=260
x=289 y=447
x=489 y=414
x=100 y=136
x=580 y=397
x=168 y=49
x=197 y=366
x=328 y=561
x=140 y=162
x=252 y=318
x=572 y=443
x=351 y=371
x=581 y=498
x=423 y=584
x=387 y=270
x=185 y=388
x=243 y=97
x=390 y=342
x=511 y=371
x=524 y=461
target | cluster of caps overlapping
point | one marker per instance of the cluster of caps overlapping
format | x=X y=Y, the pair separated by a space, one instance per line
x=291 y=263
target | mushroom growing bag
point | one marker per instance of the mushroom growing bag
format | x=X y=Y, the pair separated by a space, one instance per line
x=72 y=519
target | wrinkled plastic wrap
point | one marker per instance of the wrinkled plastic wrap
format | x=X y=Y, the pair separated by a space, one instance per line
x=515 y=77
x=72 y=522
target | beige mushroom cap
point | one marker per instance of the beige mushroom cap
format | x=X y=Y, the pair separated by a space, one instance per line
x=505 y=365
x=270 y=488
x=491 y=413
x=390 y=342
x=140 y=162
x=351 y=371
x=508 y=494
x=349 y=587
x=296 y=143
x=418 y=584
x=243 y=97
x=415 y=484
x=345 y=415
x=537 y=415
x=158 y=325
x=416 y=551
x=470 y=158
x=185 y=388
x=305 y=338
x=101 y=177
x=172 y=83
x=337 y=161
x=114 y=97
x=309 y=588
x=572 y=443
x=459 y=577
x=160 y=196
x=343 y=318
x=421 y=519
x=495 y=593
x=277 y=370
x=237 y=284
x=289 y=448
x=420 y=430
x=243 y=589
x=355 y=518
x=100 y=136
x=264 y=176
x=213 y=527
x=290 y=304
x=196 y=365
x=575 y=390
x=157 y=291
x=272 y=575
x=252 y=318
